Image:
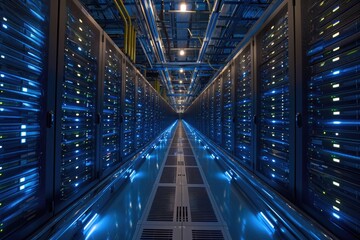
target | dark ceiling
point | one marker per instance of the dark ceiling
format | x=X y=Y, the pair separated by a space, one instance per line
x=208 y=32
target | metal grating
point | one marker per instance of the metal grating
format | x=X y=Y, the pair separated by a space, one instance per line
x=200 y=206
x=182 y=214
x=168 y=175
x=162 y=208
x=171 y=160
x=173 y=151
x=190 y=161
x=188 y=151
x=193 y=176
x=207 y=234
x=180 y=163
x=154 y=234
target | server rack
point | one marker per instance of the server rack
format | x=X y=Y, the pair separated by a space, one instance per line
x=111 y=109
x=275 y=151
x=244 y=108
x=77 y=91
x=212 y=111
x=218 y=110
x=140 y=115
x=203 y=112
x=228 y=109
x=128 y=141
x=331 y=112
x=27 y=82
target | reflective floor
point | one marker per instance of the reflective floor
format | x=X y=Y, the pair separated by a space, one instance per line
x=126 y=215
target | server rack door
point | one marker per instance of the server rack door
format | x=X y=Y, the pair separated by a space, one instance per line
x=128 y=110
x=244 y=108
x=275 y=144
x=111 y=108
x=332 y=133
x=212 y=112
x=203 y=113
x=218 y=110
x=139 y=122
x=228 y=109
x=26 y=87
x=78 y=76
x=147 y=133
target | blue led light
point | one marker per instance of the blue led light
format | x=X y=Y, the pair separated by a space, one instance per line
x=336 y=215
x=336 y=72
x=5 y=26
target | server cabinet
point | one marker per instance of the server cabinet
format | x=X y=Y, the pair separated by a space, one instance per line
x=218 y=110
x=27 y=44
x=77 y=113
x=111 y=106
x=244 y=108
x=157 y=117
x=128 y=110
x=332 y=96
x=140 y=120
x=212 y=112
x=147 y=113
x=275 y=160
x=203 y=112
x=228 y=109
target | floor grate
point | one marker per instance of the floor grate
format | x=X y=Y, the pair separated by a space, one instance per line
x=173 y=151
x=200 y=206
x=188 y=151
x=182 y=214
x=207 y=235
x=162 y=208
x=168 y=175
x=193 y=176
x=190 y=161
x=171 y=160
x=154 y=234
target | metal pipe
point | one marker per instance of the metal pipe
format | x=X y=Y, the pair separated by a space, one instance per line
x=209 y=31
x=134 y=47
x=126 y=26
x=122 y=9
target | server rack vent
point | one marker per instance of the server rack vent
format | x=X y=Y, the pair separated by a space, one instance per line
x=218 y=110
x=111 y=108
x=140 y=120
x=23 y=49
x=211 y=112
x=228 y=113
x=274 y=101
x=78 y=102
x=244 y=106
x=129 y=112
x=333 y=96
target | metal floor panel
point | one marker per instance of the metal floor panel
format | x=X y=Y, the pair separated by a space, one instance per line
x=193 y=176
x=162 y=208
x=168 y=175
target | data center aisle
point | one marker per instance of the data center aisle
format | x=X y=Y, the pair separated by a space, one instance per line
x=181 y=205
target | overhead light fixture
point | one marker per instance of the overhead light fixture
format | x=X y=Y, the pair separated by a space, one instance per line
x=182 y=7
x=182 y=52
x=181 y=70
x=180 y=81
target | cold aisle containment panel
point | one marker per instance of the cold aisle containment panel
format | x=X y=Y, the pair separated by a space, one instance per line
x=296 y=109
x=66 y=123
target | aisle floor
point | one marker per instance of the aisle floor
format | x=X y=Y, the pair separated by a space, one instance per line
x=179 y=193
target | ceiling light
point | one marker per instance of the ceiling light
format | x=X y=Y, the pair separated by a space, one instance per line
x=183 y=7
x=181 y=70
x=180 y=81
x=182 y=52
